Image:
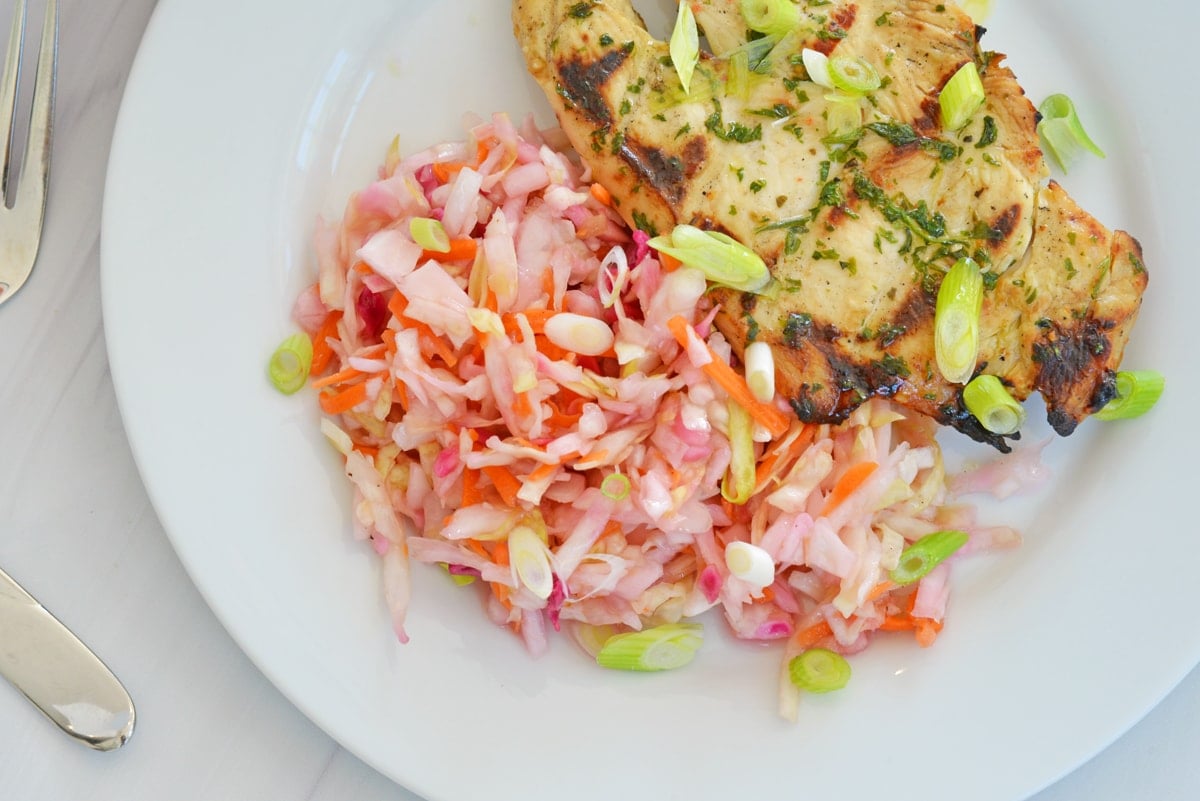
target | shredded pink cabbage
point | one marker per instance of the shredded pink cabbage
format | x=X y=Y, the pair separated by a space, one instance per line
x=473 y=423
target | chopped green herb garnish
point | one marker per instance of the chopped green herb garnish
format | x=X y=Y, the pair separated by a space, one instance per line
x=989 y=134
x=643 y=223
x=580 y=10
x=893 y=365
x=778 y=111
x=734 y=132
x=797 y=328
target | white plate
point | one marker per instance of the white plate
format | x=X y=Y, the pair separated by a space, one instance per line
x=242 y=121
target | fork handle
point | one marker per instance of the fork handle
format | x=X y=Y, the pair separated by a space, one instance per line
x=59 y=674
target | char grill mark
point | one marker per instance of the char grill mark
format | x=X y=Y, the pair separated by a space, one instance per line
x=666 y=173
x=581 y=82
x=1063 y=356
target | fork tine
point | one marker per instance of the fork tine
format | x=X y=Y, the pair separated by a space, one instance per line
x=8 y=91
x=35 y=170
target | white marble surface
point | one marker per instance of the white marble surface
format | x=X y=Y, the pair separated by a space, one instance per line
x=80 y=534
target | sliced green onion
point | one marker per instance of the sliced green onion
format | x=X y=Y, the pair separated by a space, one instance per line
x=853 y=74
x=987 y=399
x=722 y=259
x=819 y=670
x=1137 y=392
x=531 y=560
x=961 y=97
x=750 y=563
x=664 y=647
x=612 y=276
x=978 y=10
x=843 y=115
x=290 y=363
x=760 y=371
x=816 y=64
x=429 y=234
x=738 y=484
x=925 y=554
x=772 y=17
x=615 y=486
x=956 y=321
x=587 y=336
x=1061 y=131
x=737 y=77
x=685 y=45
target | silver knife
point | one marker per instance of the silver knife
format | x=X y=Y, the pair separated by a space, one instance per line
x=59 y=674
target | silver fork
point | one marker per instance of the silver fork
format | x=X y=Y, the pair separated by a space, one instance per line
x=24 y=209
x=38 y=654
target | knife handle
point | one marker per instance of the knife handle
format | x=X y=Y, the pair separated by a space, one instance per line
x=59 y=674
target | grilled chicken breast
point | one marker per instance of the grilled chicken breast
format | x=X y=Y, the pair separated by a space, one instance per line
x=858 y=225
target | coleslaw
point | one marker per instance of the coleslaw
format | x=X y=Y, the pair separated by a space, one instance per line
x=529 y=395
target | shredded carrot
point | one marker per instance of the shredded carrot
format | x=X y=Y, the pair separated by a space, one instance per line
x=397 y=304
x=460 y=250
x=896 y=623
x=771 y=418
x=669 y=263
x=537 y=320
x=481 y=152
x=362 y=267
x=505 y=482
x=768 y=596
x=593 y=458
x=340 y=377
x=880 y=589
x=344 y=401
x=560 y=419
x=445 y=170
x=851 y=480
x=789 y=454
x=807 y=638
x=503 y=594
x=521 y=404
x=499 y=555
x=550 y=350
x=542 y=472
x=548 y=284
x=502 y=591
x=436 y=344
x=322 y=353
x=369 y=451
x=478 y=547
x=470 y=487
x=926 y=630
x=601 y=194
